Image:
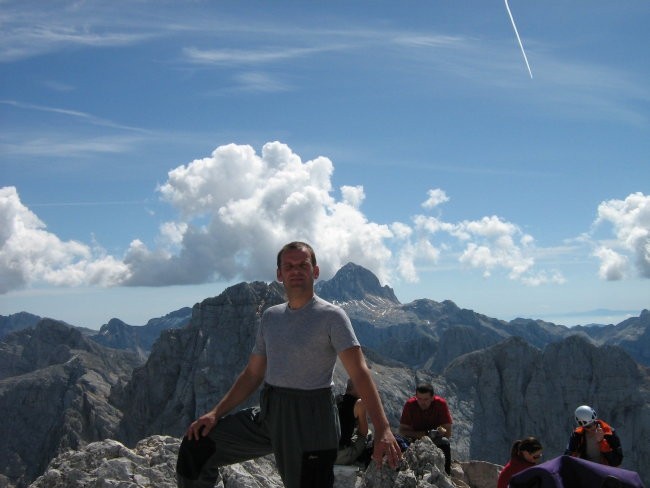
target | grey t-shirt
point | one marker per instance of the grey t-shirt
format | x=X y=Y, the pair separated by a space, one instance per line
x=301 y=345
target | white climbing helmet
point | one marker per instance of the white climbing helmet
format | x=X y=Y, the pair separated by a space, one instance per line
x=585 y=415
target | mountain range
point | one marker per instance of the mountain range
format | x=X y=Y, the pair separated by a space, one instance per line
x=63 y=387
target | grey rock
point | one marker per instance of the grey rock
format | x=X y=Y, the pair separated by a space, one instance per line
x=54 y=396
x=17 y=321
x=477 y=474
x=257 y=473
x=354 y=282
x=632 y=334
x=140 y=338
x=513 y=390
x=151 y=463
x=108 y=463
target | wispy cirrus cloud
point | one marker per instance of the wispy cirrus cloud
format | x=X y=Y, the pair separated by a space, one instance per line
x=64 y=145
x=251 y=56
x=56 y=141
x=20 y=41
x=92 y=119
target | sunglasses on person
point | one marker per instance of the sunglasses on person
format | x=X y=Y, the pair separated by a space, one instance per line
x=535 y=457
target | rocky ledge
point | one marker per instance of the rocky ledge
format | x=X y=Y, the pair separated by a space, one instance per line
x=152 y=462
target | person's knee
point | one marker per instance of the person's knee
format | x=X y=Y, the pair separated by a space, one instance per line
x=192 y=456
x=441 y=441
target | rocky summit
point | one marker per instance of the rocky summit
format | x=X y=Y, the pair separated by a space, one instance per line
x=93 y=412
x=151 y=463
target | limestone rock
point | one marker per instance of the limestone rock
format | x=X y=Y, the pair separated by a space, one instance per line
x=513 y=390
x=477 y=474
x=423 y=466
x=17 y=321
x=354 y=282
x=257 y=473
x=54 y=396
x=151 y=463
x=140 y=338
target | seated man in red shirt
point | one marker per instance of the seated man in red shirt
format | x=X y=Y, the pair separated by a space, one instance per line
x=428 y=414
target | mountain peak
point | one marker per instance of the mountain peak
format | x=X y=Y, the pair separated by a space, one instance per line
x=354 y=282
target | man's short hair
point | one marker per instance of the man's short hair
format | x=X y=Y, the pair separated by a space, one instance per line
x=303 y=246
x=425 y=388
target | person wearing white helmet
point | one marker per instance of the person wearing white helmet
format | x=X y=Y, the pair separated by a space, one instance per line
x=594 y=439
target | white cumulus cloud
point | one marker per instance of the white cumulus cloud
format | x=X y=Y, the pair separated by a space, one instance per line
x=236 y=208
x=29 y=253
x=630 y=220
x=436 y=197
x=253 y=204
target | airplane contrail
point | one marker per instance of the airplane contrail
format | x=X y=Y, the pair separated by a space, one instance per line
x=518 y=38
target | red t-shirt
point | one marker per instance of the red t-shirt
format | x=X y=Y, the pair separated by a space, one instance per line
x=514 y=466
x=418 y=419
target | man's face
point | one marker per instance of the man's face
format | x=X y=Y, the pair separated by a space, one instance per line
x=296 y=271
x=424 y=399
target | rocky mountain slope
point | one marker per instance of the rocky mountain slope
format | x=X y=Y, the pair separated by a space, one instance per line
x=429 y=334
x=17 y=321
x=140 y=339
x=115 y=334
x=512 y=390
x=503 y=380
x=54 y=395
x=505 y=390
x=632 y=334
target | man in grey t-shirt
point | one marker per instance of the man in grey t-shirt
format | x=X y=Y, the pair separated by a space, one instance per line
x=294 y=355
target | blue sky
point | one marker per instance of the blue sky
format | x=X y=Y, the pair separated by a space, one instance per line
x=152 y=153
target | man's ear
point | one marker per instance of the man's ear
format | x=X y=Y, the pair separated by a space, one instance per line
x=278 y=275
x=316 y=272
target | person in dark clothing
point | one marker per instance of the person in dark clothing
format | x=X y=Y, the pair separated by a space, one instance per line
x=524 y=454
x=354 y=426
x=427 y=414
x=594 y=439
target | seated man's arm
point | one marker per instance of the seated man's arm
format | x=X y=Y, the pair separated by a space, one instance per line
x=410 y=432
x=361 y=415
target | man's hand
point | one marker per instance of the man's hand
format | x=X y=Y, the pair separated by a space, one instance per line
x=386 y=449
x=599 y=435
x=201 y=426
x=443 y=430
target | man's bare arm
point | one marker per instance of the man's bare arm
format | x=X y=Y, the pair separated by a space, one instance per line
x=357 y=369
x=244 y=386
x=410 y=432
